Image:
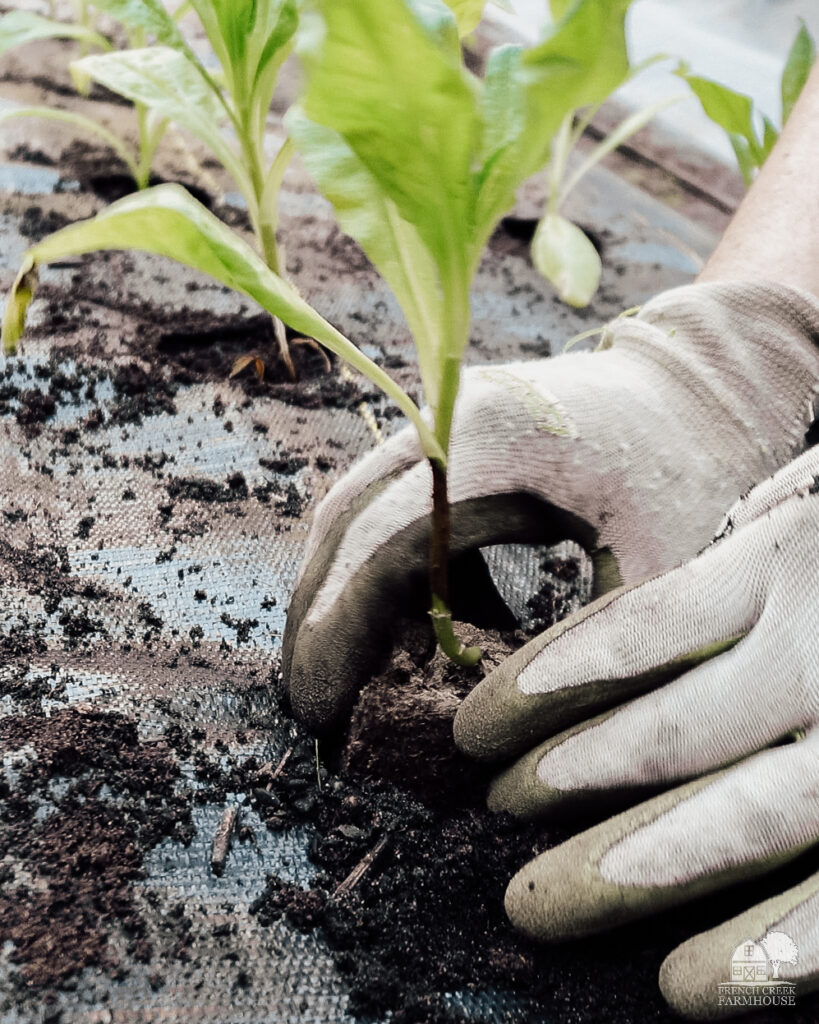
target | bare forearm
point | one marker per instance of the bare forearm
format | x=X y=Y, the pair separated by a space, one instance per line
x=774 y=234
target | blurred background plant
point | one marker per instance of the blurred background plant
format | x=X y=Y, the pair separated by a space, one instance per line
x=18 y=28
x=737 y=43
x=225 y=109
x=752 y=133
x=562 y=252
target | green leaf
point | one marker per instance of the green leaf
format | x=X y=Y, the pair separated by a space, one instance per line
x=467 y=13
x=20 y=27
x=227 y=24
x=17 y=303
x=273 y=37
x=729 y=109
x=391 y=243
x=797 y=68
x=168 y=221
x=559 y=8
x=769 y=137
x=246 y=36
x=168 y=83
x=733 y=112
x=251 y=39
x=529 y=93
x=148 y=15
x=566 y=257
x=385 y=76
x=581 y=61
x=271 y=47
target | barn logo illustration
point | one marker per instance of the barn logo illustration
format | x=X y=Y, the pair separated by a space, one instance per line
x=754 y=973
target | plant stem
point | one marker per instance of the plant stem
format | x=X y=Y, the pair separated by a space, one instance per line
x=263 y=219
x=270 y=251
x=439 y=573
x=149 y=138
x=456 y=327
x=561 y=148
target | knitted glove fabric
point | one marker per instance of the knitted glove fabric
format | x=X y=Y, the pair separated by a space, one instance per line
x=634 y=451
x=743 y=614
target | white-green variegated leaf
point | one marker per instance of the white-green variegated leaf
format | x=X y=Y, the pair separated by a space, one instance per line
x=567 y=259
x=149 y=16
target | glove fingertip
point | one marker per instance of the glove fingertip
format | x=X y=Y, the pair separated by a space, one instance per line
x=687 y=986
x=491 y=723
x=541 y=901
x=519 y=791
x=320 y=694
x=527 y=904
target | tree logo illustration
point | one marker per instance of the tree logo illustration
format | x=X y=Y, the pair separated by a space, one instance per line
x=780 y=949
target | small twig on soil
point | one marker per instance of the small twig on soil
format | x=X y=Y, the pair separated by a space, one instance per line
x=358 y=872
x=267 y=771
x=221 y=840
x=280 y=767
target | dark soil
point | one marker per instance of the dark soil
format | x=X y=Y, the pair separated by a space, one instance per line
x=81 y=856
x=554 y=602
x=98 y=170
x=425 y=919
x=401 y=725
x=36 y=223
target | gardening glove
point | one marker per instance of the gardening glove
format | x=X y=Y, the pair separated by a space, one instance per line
x=743 y=614
x=634 y=451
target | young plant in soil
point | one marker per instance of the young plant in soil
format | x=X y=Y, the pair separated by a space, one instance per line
x=140 y=18
x=251 y=40
x=420 y=159
x=561 y=250
x=734 y=111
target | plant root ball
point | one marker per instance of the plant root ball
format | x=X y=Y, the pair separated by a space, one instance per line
x=401 y=726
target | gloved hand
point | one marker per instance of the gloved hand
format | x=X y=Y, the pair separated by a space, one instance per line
x=749 y=605
x=635 y=452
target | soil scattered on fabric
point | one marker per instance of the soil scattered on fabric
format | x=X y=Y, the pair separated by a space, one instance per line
x=37 y=223
x=88 y=801
x=100 y=171
x=411 y=868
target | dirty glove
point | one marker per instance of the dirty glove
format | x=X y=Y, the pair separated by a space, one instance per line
x=634 y=451
x=746 y=611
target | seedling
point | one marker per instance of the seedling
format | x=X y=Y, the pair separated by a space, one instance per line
x=251 y=39
x=420 y=160
x=19 y=27
x=562 y=251
x=734 y=112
